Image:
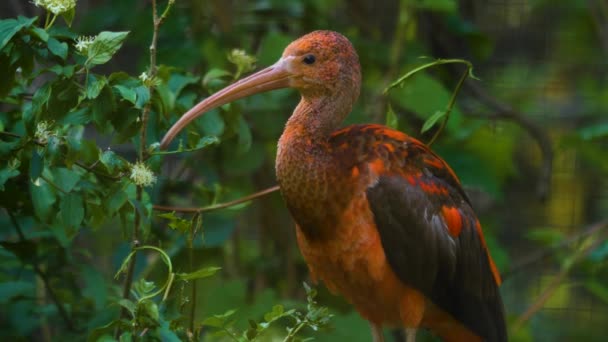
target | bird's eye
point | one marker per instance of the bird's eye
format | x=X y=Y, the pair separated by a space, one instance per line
x=309 y=59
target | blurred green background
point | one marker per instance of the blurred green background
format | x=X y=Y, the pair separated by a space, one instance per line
x=529 y=141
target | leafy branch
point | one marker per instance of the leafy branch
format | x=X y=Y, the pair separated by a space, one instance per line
x=445 y=114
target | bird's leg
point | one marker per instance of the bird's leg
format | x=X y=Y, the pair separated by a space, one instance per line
x=377 y=335
x=410 y=334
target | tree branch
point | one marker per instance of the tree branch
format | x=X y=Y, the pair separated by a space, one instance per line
x=217 y=206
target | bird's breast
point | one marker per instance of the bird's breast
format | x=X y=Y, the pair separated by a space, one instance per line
x=352 y=263
x=315 y=188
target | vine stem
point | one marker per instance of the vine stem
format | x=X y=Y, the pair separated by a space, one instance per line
x=217 y=206
x=157 y=22
x=448 y=110
x=468 y=73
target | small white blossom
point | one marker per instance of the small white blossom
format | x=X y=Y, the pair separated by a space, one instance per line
x=43 y=132
x=56 y=6
x=144 y=77
x=83 y=43
x=148 y=80
x=142 y=175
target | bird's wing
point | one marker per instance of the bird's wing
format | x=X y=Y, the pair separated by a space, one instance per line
x=429 y=232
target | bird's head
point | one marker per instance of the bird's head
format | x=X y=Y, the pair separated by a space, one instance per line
x=319 y=64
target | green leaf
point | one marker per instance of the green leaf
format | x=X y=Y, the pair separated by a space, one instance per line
x=57 y=48
x=40 y=33
x=11 y=289
x=213 y=75
x=10 y=27
x=212 y=123
x=595 y=131
x=143 y=96
x=36 y=166
x=430 y=122
x=391 y=118
x=66 y=179
x=68 y=16
x=42 y=198
x=201 y=273
x=276 y=313
x=116 y=201
x=178 y=82
x=218 y=321
x=94 y=85
x=104 y=47
x=72 y=209
x=126 y=93
x=112 y=162
x=129 y=305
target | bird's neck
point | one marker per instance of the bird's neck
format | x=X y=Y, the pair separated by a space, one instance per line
x=318 y=117
x=305 y=164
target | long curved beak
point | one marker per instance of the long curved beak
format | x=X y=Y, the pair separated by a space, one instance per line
x=273 y=77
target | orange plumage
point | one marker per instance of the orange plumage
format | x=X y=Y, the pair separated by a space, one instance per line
x=381 y=219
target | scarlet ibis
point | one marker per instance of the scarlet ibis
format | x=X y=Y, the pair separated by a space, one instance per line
x=380 y=218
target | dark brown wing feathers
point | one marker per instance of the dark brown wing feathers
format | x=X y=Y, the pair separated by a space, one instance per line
x=429 y=232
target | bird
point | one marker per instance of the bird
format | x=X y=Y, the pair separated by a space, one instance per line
x=381 y=219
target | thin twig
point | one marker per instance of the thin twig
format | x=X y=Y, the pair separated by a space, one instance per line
x=216 y=206
x=450 y=106
x=60 y=308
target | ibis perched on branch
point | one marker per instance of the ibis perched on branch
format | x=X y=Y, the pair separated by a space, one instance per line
x=380 y=218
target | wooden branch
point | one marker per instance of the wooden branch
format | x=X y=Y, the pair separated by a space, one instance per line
x=216 y=206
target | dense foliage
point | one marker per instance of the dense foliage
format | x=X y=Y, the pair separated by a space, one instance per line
x=99 y=236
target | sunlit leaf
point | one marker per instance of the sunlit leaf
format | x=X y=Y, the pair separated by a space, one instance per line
x=198 y=274
x=430 y=122
x=391 y=118
x=104 y=47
